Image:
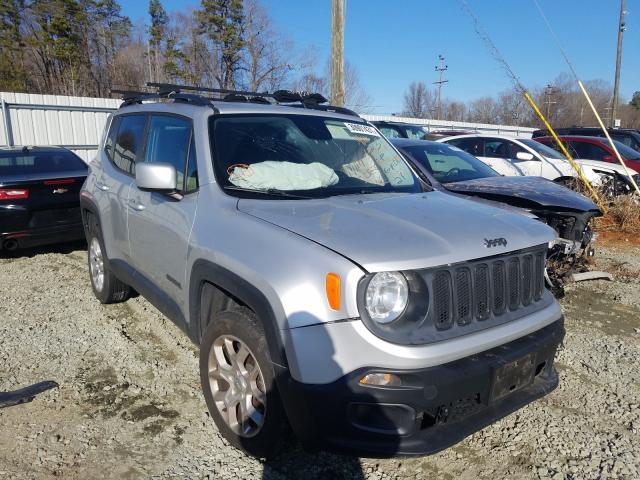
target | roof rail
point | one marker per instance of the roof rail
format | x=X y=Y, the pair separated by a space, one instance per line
x=177 y=92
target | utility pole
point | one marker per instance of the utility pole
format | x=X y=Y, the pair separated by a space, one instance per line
x=616 y=83
x=549 y=91
x=440 y=68
x=337 y=52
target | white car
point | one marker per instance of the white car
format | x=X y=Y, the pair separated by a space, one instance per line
x=523 y=156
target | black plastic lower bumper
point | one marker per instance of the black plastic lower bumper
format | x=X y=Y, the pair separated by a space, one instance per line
x=67 y=232
x=434 y=408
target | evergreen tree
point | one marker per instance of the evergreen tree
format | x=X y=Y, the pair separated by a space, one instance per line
x=635 y=100
x=13 y=75
x=223 y=22
x=157 y=32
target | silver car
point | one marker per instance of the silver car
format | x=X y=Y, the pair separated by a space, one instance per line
x=325 y=285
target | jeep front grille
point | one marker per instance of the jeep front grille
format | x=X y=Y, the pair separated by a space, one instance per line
x=488 y=288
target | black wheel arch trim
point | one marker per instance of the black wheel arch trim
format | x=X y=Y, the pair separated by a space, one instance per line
x=87 y=204
x=205 y=271
x=296 y=407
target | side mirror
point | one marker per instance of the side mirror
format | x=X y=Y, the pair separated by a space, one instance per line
x=159 y=177
x=524 y=156
x=608 y=158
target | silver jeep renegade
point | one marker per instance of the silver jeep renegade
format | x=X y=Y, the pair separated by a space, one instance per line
x=327 y=288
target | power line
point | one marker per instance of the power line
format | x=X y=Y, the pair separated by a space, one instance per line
x=484 y=36
x=616 y=82
x=440 y=68
x=556 y=39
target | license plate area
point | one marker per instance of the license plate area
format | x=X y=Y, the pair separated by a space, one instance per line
x=512 y=376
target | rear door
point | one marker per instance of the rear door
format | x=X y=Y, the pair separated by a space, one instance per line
x=159 y=225
x=39 y=189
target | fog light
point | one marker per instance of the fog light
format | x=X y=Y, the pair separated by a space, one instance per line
x=381 y=380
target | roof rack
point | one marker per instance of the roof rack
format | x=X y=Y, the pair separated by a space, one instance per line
x=304 y=99
x=132 y=97
x=176 y=92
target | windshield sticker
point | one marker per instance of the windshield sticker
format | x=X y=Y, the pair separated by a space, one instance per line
x=361 y=129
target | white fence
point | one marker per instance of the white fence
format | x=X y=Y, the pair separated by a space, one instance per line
x=72 y=122
x=77 y=122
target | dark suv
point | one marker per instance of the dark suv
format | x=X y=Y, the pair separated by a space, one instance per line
x=628 y=136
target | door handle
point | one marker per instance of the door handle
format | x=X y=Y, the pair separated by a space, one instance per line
x=102 y=186
x=138 y=207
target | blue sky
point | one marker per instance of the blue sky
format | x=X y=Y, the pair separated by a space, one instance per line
x=393 y=43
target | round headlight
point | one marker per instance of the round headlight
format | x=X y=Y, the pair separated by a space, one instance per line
x=386 y=296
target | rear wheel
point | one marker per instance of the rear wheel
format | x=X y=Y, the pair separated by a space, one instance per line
x=106 y=287
x=238 y=383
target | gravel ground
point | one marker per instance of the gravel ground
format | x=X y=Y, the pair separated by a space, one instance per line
x=129 y=403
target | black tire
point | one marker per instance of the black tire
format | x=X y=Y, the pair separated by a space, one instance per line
x=243 y=324
x=112 y=289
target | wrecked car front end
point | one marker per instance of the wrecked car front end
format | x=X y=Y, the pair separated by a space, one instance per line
x=567 y=212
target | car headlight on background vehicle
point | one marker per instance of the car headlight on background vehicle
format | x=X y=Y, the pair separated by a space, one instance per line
x=386 y=296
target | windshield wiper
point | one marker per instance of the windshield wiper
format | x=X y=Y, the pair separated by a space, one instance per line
x=274 y=192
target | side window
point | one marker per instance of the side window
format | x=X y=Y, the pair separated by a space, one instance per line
x=571 y=146
x=168 y=142
x=474 y=146
x=390 y=132
x=111 y=137
x=498 y=148
x=589 y=151
x=128 y=142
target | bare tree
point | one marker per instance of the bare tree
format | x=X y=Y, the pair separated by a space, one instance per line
x=512 y=108
x=483 y=110
x=419 y=101
x=268 y=53
x=453 y=110
x=355 y=96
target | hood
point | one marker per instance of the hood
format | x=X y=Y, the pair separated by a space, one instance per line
x=525 y=192
x=402 y=231
x=606 y=166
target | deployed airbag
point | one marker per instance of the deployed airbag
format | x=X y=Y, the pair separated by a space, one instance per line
x=282 y=176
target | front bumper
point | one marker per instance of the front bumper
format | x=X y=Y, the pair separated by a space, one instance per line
x=435 y=408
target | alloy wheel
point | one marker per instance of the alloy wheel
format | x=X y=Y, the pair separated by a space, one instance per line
x=96 y=264
x=237 y=386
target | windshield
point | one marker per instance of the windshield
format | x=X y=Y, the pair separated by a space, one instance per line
x=449 y=164
x=626 y=152
x=312 y=155
x=542 y=149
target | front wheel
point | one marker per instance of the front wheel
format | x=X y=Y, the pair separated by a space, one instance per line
x=238 y=383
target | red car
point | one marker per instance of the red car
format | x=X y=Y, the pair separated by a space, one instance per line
x=595 y=148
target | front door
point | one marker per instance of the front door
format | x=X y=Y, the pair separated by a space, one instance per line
x=499 y=149
x=160 y=224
